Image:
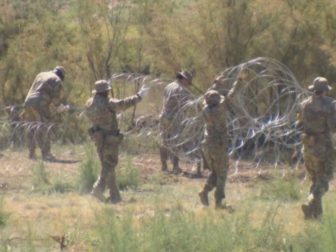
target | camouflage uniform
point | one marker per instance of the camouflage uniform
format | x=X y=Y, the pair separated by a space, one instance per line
x=102 y=113
x=45 y=91
x=215 y=143
x=318 y=117
x=175 y=96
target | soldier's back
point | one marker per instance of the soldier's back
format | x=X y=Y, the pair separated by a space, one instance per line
x=317 y=110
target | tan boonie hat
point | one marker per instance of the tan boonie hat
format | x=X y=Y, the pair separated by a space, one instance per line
x=59 y=69
x=185 y=75
x=101 y=86
x=212 y=97
x=320 y=84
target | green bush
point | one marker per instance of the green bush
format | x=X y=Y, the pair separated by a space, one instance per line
x=61 y=186
x=3 y=215
x=128 y=175
x=88 y=169
x=281 y=190
x=185 y=231
x=40 y=177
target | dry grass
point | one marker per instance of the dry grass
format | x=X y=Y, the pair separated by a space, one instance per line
x=43 y=215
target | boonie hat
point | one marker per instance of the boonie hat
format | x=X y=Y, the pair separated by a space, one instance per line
x=101 y=86
x=212 y=97
x=320 y=84
x=185 y=75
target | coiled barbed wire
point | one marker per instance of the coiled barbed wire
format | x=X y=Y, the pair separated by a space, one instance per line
x=261 y=117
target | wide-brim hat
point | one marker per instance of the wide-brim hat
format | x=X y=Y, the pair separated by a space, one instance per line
x=213 y=97
x=185 y=75
x=101 y=86
x=320 y=84
x=59 y=71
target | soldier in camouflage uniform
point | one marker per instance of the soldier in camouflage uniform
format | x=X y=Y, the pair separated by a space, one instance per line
x=176 y=96
x=317 y=116
x=102 y=113
x=46 y=91
x=215 y=143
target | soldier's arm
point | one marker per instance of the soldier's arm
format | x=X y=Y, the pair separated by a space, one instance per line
x=299 y=119
x=331 y=120
x=55 y=91
x=123 y=104
x=237 y=85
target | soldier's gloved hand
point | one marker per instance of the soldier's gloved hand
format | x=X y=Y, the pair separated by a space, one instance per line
x=143 y=91
x=62 y=108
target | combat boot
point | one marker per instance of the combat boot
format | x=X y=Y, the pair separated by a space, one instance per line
x=219 y=204
x=115 y=197
x=307 y=211
x=203 y=195
x=115 y=200
x=98 y=189
x=317 y=208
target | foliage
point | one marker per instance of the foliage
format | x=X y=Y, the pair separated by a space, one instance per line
x=3 y=215
x=40 y=177
x=88 y=170
x=185 y=231
x=281 y=189
x=127 y=175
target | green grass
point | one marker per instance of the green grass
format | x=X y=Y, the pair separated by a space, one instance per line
x=281 y=189
x=40 y=178
x=89 y=168
x=128 y=176
x=3 y=214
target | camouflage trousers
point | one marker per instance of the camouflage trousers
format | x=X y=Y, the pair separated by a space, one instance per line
x=108 y=149
x=37 y=132
x=169 y=132
x=319 y=158
x=216 y=159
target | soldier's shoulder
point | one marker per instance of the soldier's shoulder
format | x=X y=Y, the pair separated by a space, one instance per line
x=329 y=102
x=328 y=99
x=172 y=85
x=306 y=101
x=48 y=76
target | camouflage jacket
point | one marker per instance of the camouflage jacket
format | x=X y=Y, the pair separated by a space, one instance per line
x=102 y=111
x=45 y=90
x=215 y=117
x=175 y=96
x=215 y=123
x=317 y=115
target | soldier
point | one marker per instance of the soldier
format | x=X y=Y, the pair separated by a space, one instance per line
x=176 y=95
x=102 y=113
x=317 y=116
x=215 y=143
x=46 y=91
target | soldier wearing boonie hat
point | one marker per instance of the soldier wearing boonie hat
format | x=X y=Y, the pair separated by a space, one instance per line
x=176 y=95
x=102 y=113
x=317 y=117
x=320 y=84
x=215 y=143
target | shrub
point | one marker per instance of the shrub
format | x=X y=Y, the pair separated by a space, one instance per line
x=128 y=175
x=280 y=189
x=40 y=177
x=88 y=170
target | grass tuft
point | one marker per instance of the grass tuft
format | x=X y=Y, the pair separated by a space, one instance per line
x=281 y=190
x=89 y=168
x=128 y=176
